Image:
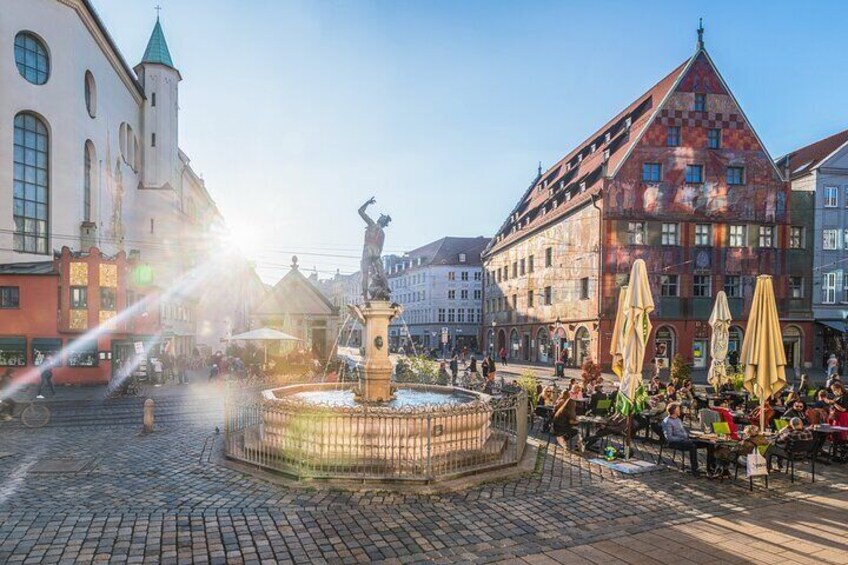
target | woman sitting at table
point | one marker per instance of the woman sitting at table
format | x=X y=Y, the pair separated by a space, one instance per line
x=654 y=386
x=565 y=419
x=839 y=408
x=671 y=393
x=754 y=416
x=548 y=397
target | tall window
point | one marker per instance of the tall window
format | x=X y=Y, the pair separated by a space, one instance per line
x=522 y=267
x=451 y=315
x=584 y=288
x=669 y=234
x=548 y=296
x=830 y=239
x=694 y=174
x=515 y=302
x=514 y=269
x=441 y=315
x=737 y=236
x=636 y=233
x=529 y=298
x=703 y=235
x=463 y=294
x=796 y=237
x=79 y=297
x=530 y=264
x=831 y=196
x=651 y=172
x=733 y=286
x=714 y=138
x=766 y=236
x=31 y=184
x=829 y=288
x=451 y=295
x=700 y=102
x=463 y=275
x=31 y=58
x=673 y=137
x=735 y=175
x=796 y=287
x=90 y=94
x=668 y=285
x=108 y=298
x=702 y=287
x=549 y=257
x=88 y=159
x=451 y=276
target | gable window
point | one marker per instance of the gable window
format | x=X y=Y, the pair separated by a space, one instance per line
x=735 y=175
x=700 y=102
x=636 y=233
x=30 y=200
x=702 y=287
x=651 y=172
x=673 y=137
x=737 y=236
x=714 y=138
x=668 y=286
x=694 y=174
x=31 y=58
x=766 y=236
x=669 y=234
x=703 y=235
x=733 y=286
x=10 y=297
x=79 y=297
x=796 y=287
x=830 y=239
x=796 y=237
x=831 y=196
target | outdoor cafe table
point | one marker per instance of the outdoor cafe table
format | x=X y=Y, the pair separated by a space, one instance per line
x=586 y=424
x=709 y=442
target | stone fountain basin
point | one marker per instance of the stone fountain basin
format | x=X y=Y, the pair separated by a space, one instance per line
x=322 y=425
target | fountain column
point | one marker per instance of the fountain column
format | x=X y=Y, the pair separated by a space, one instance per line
x=376 y=386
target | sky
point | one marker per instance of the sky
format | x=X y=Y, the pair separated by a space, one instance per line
x=295 y=113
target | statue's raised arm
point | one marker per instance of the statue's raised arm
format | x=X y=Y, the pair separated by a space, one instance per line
x=363 y=214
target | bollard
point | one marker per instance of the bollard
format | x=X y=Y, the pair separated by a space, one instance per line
x=148 y=416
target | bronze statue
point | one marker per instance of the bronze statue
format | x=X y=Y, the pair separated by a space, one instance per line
x=375 y=285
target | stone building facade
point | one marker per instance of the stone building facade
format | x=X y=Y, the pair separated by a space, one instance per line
x=680 y=179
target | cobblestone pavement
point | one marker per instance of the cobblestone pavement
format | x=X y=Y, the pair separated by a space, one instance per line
x=90 y=488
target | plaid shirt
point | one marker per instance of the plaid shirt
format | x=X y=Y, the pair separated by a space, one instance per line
x=789 y=438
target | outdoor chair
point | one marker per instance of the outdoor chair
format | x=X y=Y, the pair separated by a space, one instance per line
x=801 y=451
x=674 y=451
x=743 y=462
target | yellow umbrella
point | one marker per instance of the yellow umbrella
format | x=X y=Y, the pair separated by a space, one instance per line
x=635 y=329
x=720 y=323
x=616 y=343
x=762 y=355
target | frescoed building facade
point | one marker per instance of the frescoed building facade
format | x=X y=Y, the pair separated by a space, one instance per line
x=679 y=179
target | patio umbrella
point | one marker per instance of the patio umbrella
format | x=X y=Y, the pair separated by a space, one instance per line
x=635 y=329
x=616 y=343
x=264 y=335
x=720 y=323
x=762 y=355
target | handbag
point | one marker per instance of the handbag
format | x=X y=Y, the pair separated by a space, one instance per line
x=756 y=465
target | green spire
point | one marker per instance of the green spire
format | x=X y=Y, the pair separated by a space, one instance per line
x=157 y=48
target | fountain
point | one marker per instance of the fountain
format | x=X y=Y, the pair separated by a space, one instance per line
x=375 y=429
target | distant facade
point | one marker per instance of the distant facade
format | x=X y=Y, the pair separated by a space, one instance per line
x=440 y=287
x=296 y=306
x=819 y=172
x=680 y=179
x=342 y=291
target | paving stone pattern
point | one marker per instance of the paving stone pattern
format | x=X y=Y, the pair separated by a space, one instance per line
x=159 y=499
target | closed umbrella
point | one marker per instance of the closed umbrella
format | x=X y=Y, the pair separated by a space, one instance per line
x=617 y=343
x=720 y=323
x=762 y=355
x=635 y=329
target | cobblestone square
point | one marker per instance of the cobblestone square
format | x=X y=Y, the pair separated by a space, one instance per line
x=162 y=498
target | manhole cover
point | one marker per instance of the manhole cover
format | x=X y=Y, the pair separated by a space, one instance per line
x=60 y=465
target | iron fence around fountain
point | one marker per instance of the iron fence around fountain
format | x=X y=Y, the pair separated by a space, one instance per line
x=375 y=443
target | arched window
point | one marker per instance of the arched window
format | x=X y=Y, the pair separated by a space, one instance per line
x=30 y=184
x=87 y=181
x=514 y=344
x=543 y=346
x=90 y=94
x=31 y=58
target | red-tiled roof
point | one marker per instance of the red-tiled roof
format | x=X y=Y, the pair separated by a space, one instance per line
x=802 y=161
x=560 y=188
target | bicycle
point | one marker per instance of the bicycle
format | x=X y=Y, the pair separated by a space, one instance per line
x=32 y=414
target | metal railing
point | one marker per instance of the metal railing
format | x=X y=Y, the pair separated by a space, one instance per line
x=375 y=443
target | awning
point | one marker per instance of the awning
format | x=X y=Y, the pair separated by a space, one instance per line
x=837 y=325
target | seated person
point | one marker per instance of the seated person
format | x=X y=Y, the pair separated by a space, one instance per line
x=751 y=439
x=821 y=400
x=576 y=392
x=796 y=410
x=548 y=397
x=565 y=419
x=726 y=386
x=671 y=393
x=839 y=405
x=787 y=438
x=723 y=410
x=652 y=412
x=677 y=437
x=654 y=386
x=754 y=416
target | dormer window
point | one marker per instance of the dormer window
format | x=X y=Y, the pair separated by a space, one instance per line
x=580 y=158
x=607 y=137
x=606 y=154
x=592 y=148
x=583 y=186
x=628 y=122
x=462 y=257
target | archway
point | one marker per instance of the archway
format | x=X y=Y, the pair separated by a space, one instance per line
x=543 y=346
x=665 y=345
x=514 y=344
x=501 y=342
x=582 y=346
x=793 y=340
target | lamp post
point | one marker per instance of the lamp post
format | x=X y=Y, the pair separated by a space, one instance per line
x=492 y=342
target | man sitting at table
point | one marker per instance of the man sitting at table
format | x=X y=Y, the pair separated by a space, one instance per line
x=656 y=407
x=786 y=439
x=796 y=410
x=677 y=437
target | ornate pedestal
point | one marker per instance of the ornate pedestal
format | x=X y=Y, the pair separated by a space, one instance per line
x=376 y=386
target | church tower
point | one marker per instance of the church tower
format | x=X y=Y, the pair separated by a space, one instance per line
x=160 y=80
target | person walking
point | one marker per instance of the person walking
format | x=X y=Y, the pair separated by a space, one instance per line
x=47 y=378
x=502 y=355
x=454 y=368
x=472 y=366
